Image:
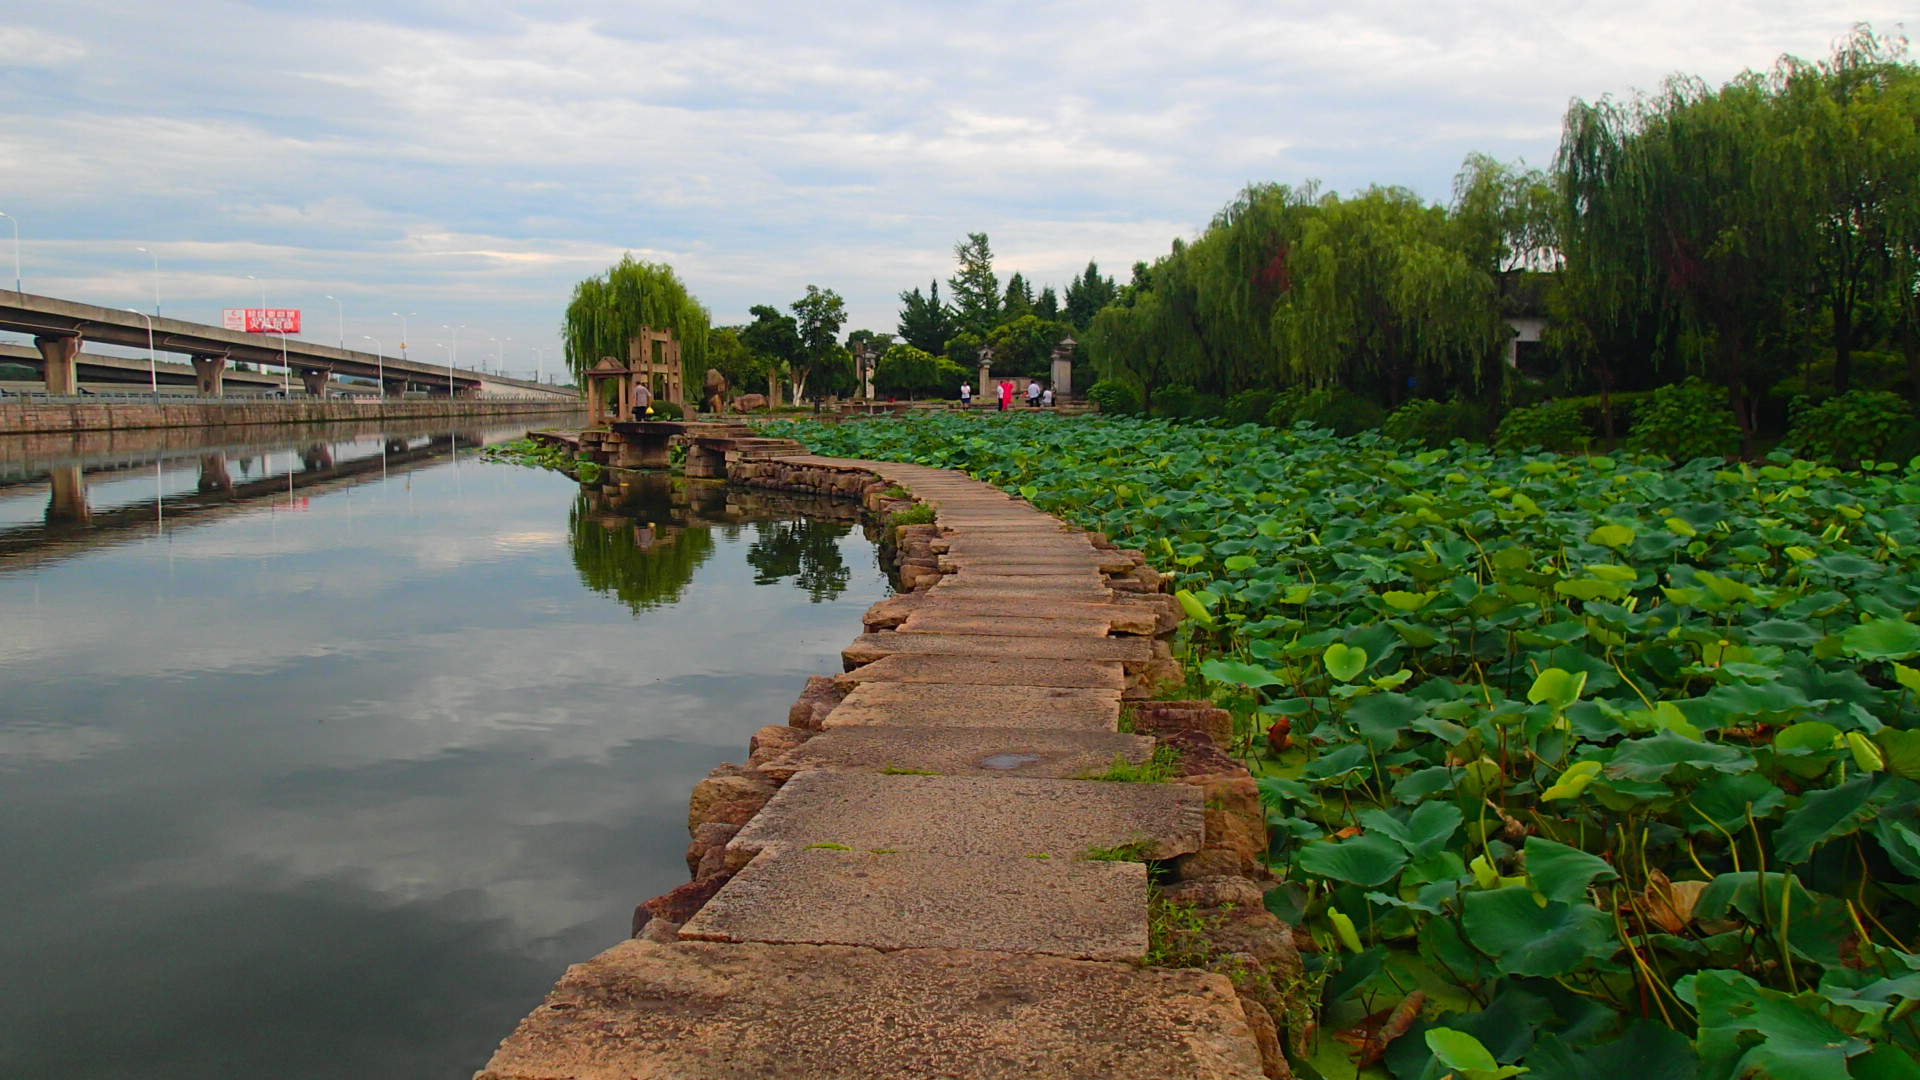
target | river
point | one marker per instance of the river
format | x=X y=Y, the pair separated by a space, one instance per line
x=323 y=751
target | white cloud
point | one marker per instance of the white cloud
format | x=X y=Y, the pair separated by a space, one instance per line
x=479 y=163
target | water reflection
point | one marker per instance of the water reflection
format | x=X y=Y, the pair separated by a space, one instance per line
x=335 y=783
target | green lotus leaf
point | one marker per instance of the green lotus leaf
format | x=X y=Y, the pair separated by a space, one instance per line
x=1671 y=757
x=1901 y=751
x=1557 y=688
x=1562 y=873
x=1748 y=1030
x=1525 y=938
x=1425 y=832
x=1344 y=662
x=1465 y=1056
x=1368 y=859
x=1236 y=673
x=1613 y=536
x=1823 y=815
x=1648 y=1050
x=1881 y=639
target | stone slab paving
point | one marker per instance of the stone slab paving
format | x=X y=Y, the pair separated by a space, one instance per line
x=905 y=899
x=1124 y=618
x=1133 y=652
x=939 y=621
x=958 y=672
x=1047 y=753
x=702 y=1011
x=932 y=705
x=929 y=893
x=954 y=815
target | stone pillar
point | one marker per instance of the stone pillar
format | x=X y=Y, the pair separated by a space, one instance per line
x=63 y=370
x=208 y=375
x=644 y=451
x=986 y=380
x=1062 y=378
x=315 y=380
x=396 y=388
x=69 y=498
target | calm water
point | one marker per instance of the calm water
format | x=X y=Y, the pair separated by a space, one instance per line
x=322 y=754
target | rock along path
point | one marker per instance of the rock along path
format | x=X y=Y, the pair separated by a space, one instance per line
x=933 y=891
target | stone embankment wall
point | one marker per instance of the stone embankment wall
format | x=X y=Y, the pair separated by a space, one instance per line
x=957 y=857
x=28 y=417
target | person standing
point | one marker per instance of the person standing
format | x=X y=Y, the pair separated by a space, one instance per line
x=966 y=393
x=1033 y=393
x=1006 y=394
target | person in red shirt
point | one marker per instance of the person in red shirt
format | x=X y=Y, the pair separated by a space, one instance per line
x=1006 y=394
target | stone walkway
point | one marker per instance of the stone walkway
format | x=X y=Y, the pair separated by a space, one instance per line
x=934 y=890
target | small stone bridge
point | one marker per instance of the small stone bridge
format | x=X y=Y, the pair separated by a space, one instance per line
x=645 y=444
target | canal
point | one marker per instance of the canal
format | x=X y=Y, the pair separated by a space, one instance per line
x=323 y=751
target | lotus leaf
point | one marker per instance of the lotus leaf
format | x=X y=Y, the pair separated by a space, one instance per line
x=1562 y=873
x=1525 y=938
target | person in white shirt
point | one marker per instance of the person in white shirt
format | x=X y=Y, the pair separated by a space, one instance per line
x=966 y=393
x=1046 y=398
x=1033 y=393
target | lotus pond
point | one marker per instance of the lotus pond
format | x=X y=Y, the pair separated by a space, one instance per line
x=1615 y=763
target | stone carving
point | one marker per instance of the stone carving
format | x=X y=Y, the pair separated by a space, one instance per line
x=713 y=396
x=750 y=403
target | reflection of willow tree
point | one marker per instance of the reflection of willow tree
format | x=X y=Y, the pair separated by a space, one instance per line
x=611 y=559
x=807 y=551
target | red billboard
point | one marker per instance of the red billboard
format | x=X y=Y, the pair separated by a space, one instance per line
x=255 y=320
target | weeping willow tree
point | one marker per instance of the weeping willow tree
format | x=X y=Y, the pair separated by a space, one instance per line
x=646 y=565
x=1381 y=291
x=607 y=310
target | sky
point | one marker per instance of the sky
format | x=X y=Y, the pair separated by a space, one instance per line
x=468 y=161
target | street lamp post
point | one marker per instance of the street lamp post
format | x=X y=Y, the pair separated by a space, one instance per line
x=153 y=363
x=403 y=332
x=156 y=280
x=15 y=222
x=380 y=351
x=453 y=354
x=263 y=308
x=342 y=313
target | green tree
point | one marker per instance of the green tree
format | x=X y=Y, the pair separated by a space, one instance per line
x=904 y=369
x=1382 y=292
x=774 y=337
x=1018 y=299
x=817 y=318
x=925 y=322
x=1023 y=345
x=608 y=310
x=1087 y=294
x=976 y=289
x=729 y=354
x=1047 y=304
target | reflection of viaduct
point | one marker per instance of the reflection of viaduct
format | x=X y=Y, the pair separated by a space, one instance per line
x=72 y=527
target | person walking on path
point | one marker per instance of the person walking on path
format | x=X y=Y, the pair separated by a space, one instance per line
x=1006 y=394
x=966 y=393
x=1033 y=393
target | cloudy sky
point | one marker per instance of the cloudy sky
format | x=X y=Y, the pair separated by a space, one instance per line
x=469 y=160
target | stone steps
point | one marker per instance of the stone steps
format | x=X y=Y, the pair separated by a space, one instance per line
x=1132 y=653
x=1043 y=753
x=993 y=705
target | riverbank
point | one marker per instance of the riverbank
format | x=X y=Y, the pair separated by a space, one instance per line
x=984 y=850
x=41 y=418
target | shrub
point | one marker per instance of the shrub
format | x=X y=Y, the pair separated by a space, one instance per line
x=1179 y=402
x=666 y=410
x=1114 y=397
x=1550 y=425
x=1432 y=423
x=1683 y=421
x=1248 y=406
x=1860 y=425
x=1335 y=409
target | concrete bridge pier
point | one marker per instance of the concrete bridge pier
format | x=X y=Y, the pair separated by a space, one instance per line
x=61 y=353
x=314 y=379
x=69 y=498
x=209 y=375
x=396 y=387
x=214 y=477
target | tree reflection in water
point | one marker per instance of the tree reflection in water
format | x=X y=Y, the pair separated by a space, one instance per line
x=807 y=551
x=644 y=541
